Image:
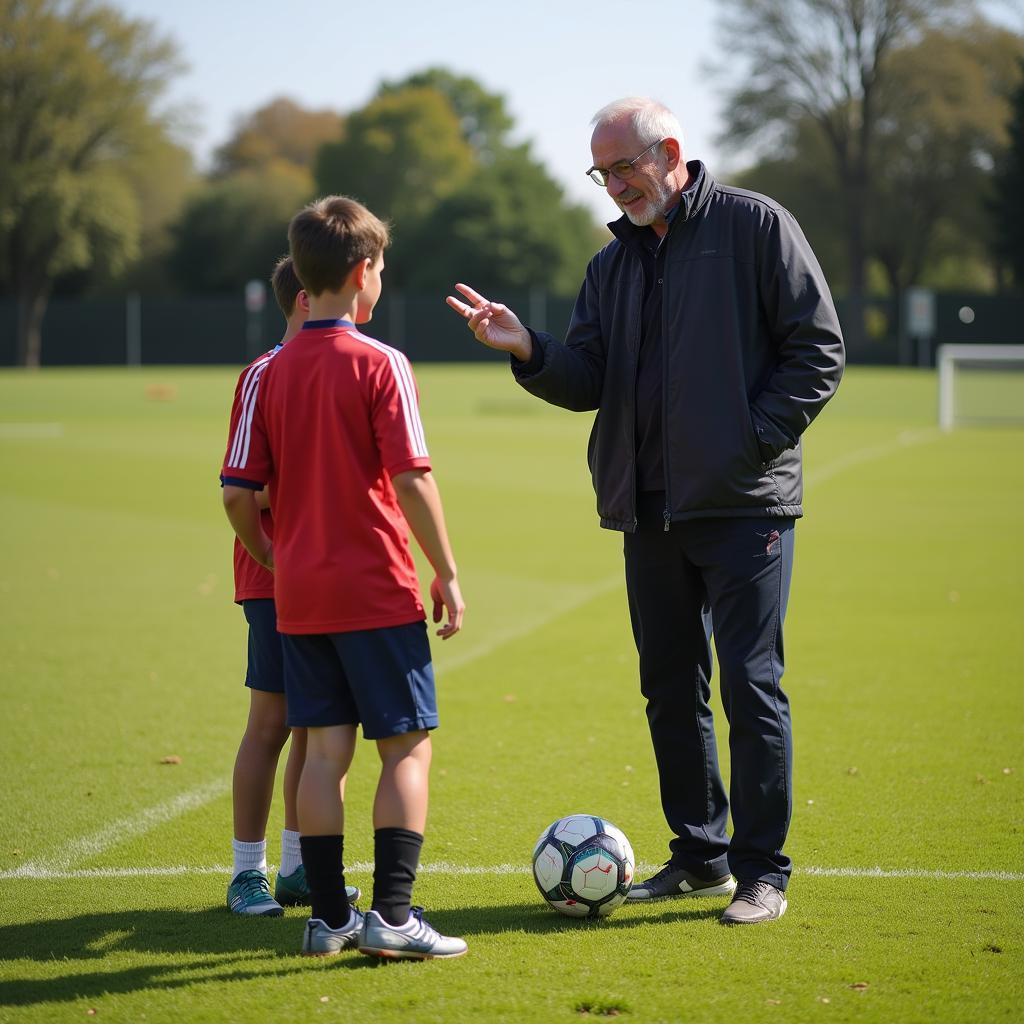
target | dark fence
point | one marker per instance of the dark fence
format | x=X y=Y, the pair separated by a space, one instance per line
x=961 y=318
x=189 y=330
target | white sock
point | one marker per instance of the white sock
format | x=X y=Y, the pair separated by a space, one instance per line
x=249 y=856
x=291 y=852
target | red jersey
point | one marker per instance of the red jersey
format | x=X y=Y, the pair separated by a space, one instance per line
x=331 y=418
x=251 y=579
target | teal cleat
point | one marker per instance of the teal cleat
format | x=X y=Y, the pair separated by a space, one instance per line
x=293 y=890
x=249 y=893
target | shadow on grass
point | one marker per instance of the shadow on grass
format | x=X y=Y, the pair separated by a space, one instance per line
x=214 y=946
x=92 y=985
x=537 y=919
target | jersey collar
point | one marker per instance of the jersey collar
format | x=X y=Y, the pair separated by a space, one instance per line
x=320 y=324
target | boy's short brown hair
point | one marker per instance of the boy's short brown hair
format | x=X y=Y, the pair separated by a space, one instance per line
x=286 y=285
x=329 y=237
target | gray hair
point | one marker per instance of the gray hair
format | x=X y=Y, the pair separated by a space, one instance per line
x=650 y=119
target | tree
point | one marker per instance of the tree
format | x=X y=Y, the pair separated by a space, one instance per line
x=279 y=131
x=483 y=119
x=826 y=60
x=162 y=177
x=938 y=132
x=944 y=124
x=793 y=176
x=78 y=88
x=234 y=229
x=401 y=154
x=511 y=225
x=1007 y=205
x=431 y=155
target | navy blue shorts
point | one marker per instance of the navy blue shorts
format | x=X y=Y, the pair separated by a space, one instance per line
x=266 y=659
x=382 y=678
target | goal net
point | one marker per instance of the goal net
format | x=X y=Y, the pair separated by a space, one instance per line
x=980 y=385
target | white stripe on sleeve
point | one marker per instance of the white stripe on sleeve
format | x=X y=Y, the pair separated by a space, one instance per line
x=243 y=432
x=402 y=372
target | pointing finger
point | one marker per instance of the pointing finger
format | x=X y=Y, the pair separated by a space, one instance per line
x=474 y=296
x=460 y=307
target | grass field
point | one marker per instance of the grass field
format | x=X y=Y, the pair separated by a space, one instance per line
x=119 y=646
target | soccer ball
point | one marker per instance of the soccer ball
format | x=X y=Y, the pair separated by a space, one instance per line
x=583 y=866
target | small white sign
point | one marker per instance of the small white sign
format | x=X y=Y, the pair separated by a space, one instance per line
x=920 y=312
x=255 y=296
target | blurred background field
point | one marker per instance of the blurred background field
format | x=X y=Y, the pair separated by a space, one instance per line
x=150 y=171
x=122 y=648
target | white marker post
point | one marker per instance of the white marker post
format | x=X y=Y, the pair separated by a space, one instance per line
x=255 y=300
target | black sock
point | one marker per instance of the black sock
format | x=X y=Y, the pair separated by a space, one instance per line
x=396 y=855
x=322 y=857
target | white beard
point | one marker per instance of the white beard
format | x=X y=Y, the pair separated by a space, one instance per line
x=652 y=208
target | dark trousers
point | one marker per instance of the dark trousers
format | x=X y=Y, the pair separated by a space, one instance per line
x=734 y=573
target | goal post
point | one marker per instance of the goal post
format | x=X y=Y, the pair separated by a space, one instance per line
x=980 y=384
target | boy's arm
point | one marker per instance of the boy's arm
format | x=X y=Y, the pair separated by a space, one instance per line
x=420 y=502
x=240 y=504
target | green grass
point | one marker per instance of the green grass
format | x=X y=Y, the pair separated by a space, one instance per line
x=119 y=645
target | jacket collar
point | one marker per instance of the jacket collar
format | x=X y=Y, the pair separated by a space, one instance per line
x=691 y=201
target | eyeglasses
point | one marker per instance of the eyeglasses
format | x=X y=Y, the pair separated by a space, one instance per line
x=623 y=170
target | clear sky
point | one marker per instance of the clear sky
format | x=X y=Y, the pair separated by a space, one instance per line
x=554 y=62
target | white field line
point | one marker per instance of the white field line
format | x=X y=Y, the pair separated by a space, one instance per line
x=39 y=873
x=117 y=832
x=59 y=864
x=500 y=637
x=906 y=439
x=30 y=431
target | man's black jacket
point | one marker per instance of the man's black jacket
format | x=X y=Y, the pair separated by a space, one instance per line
x=752 y=351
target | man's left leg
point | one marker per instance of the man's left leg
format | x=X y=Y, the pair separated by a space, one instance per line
x=747 y=565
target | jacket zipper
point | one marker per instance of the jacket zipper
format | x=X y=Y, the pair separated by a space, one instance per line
x=636 y=365
x=664 y=383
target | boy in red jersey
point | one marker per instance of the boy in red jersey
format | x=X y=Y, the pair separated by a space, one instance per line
x=266 y=730
x=334 y=432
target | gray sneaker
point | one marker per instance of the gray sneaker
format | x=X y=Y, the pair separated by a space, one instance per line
x=414 y=940
x=671 y=881
x=319 y=940
x=755 y=902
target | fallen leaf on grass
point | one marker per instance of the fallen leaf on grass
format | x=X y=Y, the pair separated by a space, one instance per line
x=859 y=986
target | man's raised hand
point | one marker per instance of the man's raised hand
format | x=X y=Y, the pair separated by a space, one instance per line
x=492 y=323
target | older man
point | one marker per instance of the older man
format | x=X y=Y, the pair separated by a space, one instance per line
x=705 y=337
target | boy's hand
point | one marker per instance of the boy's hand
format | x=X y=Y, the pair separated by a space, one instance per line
x=492 y=323
x=447 y=595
